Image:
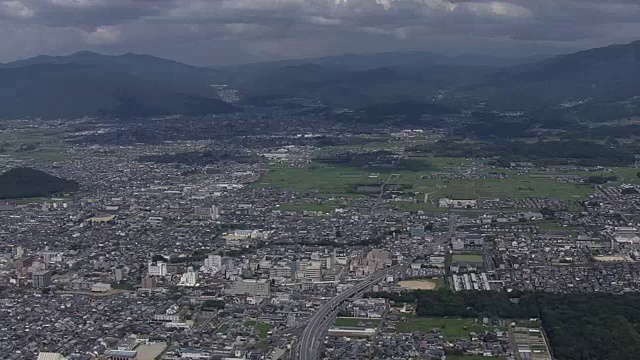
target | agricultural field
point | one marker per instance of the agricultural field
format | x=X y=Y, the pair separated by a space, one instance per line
x=335 y=180
x=37 y=145
x=450 y=328
x=516 y=187
x=323 y=179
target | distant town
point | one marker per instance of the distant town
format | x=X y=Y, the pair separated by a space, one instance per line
x=292 y=242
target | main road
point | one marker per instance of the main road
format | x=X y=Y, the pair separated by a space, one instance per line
x=320 y=322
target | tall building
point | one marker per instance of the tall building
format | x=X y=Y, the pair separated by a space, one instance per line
x=215 y=212
x=159 y=268
x=41 y=279
x=189 y=278
x=149 y=282
x=19 y=252
x=213 y=263
x=253 y=287
x=330 y=262
x=119 y=274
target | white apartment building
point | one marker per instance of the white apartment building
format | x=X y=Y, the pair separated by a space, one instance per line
x=158 y=268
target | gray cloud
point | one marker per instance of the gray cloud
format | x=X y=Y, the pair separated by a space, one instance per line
x=222 y=31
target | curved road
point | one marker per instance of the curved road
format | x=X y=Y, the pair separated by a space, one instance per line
x=320 y=322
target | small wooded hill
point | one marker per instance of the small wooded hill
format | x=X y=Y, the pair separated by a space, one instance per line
x=26 y=182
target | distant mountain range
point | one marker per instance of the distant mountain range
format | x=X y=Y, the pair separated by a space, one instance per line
x=409 y=59
x=91 y=84
x=607 y=74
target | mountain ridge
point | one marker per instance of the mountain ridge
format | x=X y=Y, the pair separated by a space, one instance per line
x=91 y=84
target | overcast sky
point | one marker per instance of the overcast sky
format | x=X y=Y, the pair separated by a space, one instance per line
x=210 y=32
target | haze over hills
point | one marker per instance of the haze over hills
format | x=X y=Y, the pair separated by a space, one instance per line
x=603 y=74
x=92 y=84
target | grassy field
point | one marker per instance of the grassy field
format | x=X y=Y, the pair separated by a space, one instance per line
x=223 y=329
x=261 y=327
x=449 y=328
x=474 y=258
x=356 y=322
x=628 y=175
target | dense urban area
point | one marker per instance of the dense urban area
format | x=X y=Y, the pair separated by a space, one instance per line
x=284 y=228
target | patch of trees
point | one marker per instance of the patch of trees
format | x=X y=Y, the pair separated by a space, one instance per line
x=26 y=182
x=580 y=326
x=212 y=305
x=157 y=258
x=380 y=161
x=600 y=179
x=548 y=213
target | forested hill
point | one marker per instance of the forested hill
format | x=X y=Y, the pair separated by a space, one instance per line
x=580 y=326
x=25 y=182
x=89 y=84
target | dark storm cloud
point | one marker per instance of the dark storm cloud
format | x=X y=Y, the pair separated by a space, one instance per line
x=214 y=31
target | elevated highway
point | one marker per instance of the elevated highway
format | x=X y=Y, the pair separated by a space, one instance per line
x=319 y=323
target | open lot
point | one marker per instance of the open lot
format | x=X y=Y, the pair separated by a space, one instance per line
x=151 y=351
x=262 y=328
x=450 y=328
x=422 y=284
